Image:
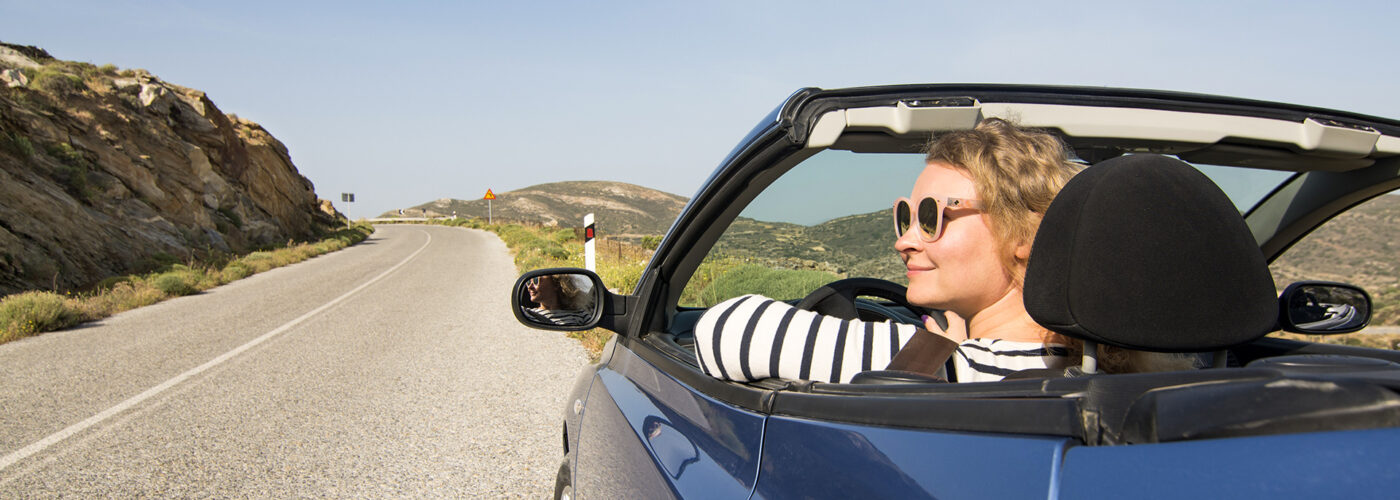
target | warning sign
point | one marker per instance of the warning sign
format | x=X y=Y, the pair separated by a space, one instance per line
x=489 y=195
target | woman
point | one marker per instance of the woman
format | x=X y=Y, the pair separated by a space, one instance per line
x=564 y=299
x=965 y=235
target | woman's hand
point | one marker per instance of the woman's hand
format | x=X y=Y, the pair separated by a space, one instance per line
x=957 y=327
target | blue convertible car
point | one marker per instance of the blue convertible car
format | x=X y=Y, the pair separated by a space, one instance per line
x=800 y=210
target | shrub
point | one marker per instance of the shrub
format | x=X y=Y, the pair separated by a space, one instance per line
x=564 y=236
x=651 y=242
x=17 y=144
x=123 y=296
x=235 y=271
x=27 y=313
x=177 y=282
x=56 y=81
x=780 y=284
x=258 y=261
x=73 y=171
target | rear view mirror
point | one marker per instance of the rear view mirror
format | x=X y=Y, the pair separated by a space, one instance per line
x=1323 y=308
x=558 y=299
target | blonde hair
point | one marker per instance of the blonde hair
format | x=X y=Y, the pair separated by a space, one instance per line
x=1016 y=171
x=575 y=291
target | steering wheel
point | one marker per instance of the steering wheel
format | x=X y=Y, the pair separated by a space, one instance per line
x=838 y=299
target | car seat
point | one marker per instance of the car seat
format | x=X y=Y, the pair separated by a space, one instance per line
x=1145 y=252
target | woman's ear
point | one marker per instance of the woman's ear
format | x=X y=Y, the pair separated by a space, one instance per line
x=1023 y=251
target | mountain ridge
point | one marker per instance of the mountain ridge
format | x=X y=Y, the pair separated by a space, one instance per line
x=619 y=209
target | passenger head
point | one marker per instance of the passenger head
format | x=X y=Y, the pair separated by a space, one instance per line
x=1016 y=173
x=575 y=291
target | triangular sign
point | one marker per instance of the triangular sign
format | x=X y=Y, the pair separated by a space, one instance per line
x=489 y=195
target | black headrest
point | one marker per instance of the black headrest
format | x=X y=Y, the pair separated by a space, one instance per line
x=1145 y=252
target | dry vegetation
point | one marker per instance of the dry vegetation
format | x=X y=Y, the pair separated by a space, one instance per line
x=35 y=312
x=1359 y=339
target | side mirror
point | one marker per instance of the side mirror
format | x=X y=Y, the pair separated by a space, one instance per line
x=1323 y=308
x=558 y=299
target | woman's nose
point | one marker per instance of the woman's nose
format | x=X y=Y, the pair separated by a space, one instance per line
x=908 y=241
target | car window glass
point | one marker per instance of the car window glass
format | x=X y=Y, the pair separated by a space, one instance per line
x=825 y=219
x=1244 y=186
x=1360 y=246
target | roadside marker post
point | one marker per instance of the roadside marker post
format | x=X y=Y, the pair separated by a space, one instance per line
x=588 y=234
x=489 y=196
x=347 y=198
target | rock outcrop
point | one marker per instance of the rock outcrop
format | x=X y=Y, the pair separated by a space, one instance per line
x=104 y=172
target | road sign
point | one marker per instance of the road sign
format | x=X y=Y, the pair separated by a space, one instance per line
x=489 y=196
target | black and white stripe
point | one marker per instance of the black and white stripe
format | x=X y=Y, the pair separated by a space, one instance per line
x=989 y=360
x=754 y=337
x=564 y=316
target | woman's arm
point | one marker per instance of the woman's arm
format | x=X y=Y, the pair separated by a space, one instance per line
x=754 y=337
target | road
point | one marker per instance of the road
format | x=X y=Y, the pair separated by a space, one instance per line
x=393 y=368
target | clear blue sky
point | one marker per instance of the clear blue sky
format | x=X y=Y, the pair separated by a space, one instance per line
x=406 y=102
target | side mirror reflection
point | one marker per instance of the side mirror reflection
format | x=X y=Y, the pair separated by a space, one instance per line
x=558 y=299
x=1319 y=307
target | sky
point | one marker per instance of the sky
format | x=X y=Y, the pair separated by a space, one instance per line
x=407 y=102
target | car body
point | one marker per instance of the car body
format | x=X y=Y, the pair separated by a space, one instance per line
x=646 y=422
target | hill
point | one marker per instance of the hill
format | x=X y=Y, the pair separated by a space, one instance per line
x=619 y=209
x=1361 y=246
x=105 y=171
x=855 y=245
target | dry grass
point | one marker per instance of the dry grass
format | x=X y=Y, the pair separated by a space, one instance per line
x=1371 y=340
x=28 y=313
x=32 y=313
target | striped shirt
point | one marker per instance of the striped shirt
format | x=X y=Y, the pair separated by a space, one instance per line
x=752 y=337
x=990 y=360
x=565 y=317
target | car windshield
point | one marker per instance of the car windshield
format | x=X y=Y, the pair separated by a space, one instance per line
x=829 y=218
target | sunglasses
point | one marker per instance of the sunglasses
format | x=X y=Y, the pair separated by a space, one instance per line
x=930 y=215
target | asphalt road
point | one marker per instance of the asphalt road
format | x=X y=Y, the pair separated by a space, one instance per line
x=393 y=368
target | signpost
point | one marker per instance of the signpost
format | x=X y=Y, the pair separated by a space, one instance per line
x=347 y=198
x=489 y=196
x=588 y=234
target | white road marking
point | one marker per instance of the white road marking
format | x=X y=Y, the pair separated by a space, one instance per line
x=56 y=437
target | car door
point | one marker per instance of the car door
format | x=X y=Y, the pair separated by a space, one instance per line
x=648 y=434
x=858 y=443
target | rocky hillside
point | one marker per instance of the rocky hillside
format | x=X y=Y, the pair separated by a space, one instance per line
x=103 y=171
x=619 y=209
x=1360 y=246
